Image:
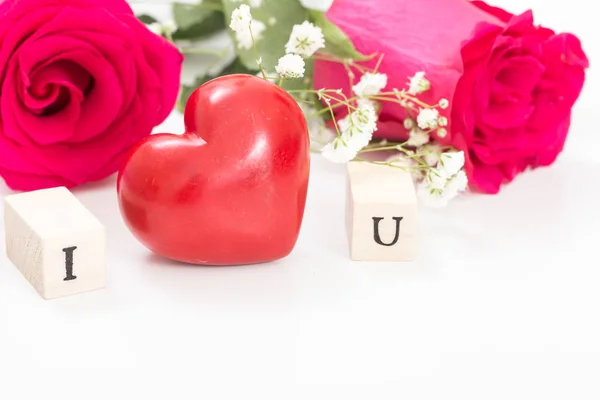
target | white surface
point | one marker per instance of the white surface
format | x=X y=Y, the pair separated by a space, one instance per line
x=503 y=302
x=39 y=225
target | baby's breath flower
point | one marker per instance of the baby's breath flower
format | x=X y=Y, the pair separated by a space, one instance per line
x=370 y=84
x=436 y=179
x=444 y=103
x=362 y=120
x=409 y=123
x=445 y=181
x=431 y=153
x=428 y=118
x=338 y=151
x=358 y=127
x=244 y=37
x=290 y=66
x=240 y=18
x=452 y=162
x=442 y=132
x=272 y=21
x=306 y=39
x=458 y=183
x=417 y=138
x=440 y=198
x=418 y=84
x=443 y=121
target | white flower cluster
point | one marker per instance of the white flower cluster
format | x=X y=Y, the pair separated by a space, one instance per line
x=418 y=84
x=356 y=132
x=305 y=40
x=356 y=129
x=446 y=181
x=245 y=27
x=241 y=18
x=370 y=84
x=290 y=66
x=430 y=119
x=417 y=137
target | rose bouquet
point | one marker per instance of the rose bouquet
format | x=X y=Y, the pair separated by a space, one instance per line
x=420 y=91
x=423 y=86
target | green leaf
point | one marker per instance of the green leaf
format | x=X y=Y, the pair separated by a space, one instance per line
x=146 y=19
x=197 y=20
x=336 y=41
x=208 y=26
x=187 y=15
x=278 y=16
x=236 y=67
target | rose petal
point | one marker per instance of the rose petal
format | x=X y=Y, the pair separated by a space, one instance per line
x=486 y=178
x=113 y=80
x=166 y=61
x=499 y=13
x=522 y=73
x=475 y=54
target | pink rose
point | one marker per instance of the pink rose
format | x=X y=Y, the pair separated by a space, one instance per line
x=81 y=82
x=511 y=84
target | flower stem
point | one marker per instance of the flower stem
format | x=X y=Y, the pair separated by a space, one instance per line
x=381 y=96
x=373 y=149
x=262 y=71
x=337 y=129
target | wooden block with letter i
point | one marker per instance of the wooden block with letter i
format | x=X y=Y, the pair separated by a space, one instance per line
x=56 y=243
x=381 y=213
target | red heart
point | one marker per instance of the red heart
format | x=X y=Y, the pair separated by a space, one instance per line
x=232 y=189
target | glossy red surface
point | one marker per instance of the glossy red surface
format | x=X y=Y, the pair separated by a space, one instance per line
x=232 y=189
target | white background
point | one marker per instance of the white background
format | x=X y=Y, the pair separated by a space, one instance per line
x=503 y=302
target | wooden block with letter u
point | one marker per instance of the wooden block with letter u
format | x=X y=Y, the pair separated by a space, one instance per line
x=381 y=213
x=56 y=243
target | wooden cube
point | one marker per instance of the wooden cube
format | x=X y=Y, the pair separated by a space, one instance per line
x=56 y=243
x=381 y=213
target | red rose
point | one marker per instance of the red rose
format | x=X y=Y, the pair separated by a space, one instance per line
x=511 y=84
x=512 y=106
x=81 y=82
